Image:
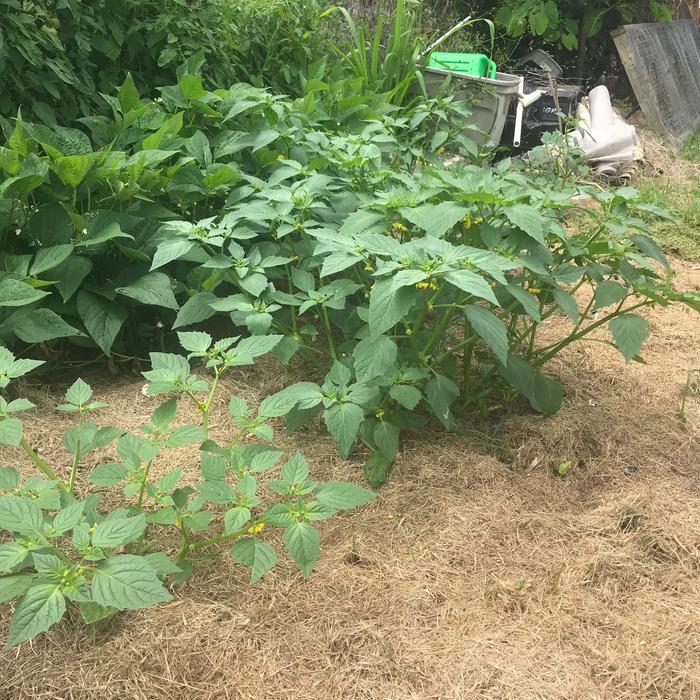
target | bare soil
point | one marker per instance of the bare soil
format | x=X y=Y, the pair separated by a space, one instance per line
x=476 y=573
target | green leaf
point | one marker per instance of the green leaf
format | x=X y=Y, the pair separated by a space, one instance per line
x=92 y=612
x=258 y=345
x=13 y=586
x=196 y=309
x=48 y=258
x=216 y=492
x=169 y=250
x=20 y=515
x=343 y=495
x=296 y=470
x=153 y=289
x=629 y=332
x=41 y=607
x=235 y=519
x=435 y=219
x=106 y=475
x=386 y=438
x=165 y=414
x=388 y=306
x=256 y=554
x=608 y=293
x=527 y=219
x=528 y=301
x=13 y=292
x=103 y=319
x=343 y=421
x=162 y=564
x=67 y=518
x=303 y=543
x=473 y=284
x=375 y=356
x=10 y=431
x=441 y=393
x=12 y=554
x=567 y=304
x=185 y=435
x=9 y=478
x=40 y=325
x=79 y=393
x=302 y=395
x=117 y=532
x=490 y=328
x=127 y=582
x=404 y=395
x=264 y=460
x=544 y=394
x=195 y=341
x=70 y=275
x=128 y=94
x=377 y=469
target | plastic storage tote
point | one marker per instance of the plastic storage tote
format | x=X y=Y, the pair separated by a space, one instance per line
x=491 y=99
x=471 y=63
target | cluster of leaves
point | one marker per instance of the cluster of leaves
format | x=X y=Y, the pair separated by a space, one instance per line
x=334 y=226
x=62 y=547
x=81 y=219
x=567 y=22
x=55 y=57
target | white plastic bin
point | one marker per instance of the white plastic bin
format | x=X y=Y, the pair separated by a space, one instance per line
x=490 y=103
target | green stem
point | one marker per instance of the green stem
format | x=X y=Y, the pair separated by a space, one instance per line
x=468 y=344
x=45 y=468
x=329 y=335
x=76 y=457
x=144 y=481
x=207 y=404
x=552 y=350
x=224 y=537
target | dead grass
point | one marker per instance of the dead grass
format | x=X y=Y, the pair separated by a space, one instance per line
x=476 y=573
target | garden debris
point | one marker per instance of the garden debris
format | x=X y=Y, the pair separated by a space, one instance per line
x=610 y=144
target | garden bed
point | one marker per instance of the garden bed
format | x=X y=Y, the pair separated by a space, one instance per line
x=476 y=573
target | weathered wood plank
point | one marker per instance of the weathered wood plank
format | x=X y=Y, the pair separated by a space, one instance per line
x=662 y=61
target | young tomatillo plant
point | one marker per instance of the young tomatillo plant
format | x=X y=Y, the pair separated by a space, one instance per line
x=63 y=546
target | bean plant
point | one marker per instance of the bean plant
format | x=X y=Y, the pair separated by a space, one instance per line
x=109 y=539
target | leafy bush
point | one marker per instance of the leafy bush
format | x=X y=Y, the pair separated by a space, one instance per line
x=68 y=547
x=415 y=287
x=57 y=57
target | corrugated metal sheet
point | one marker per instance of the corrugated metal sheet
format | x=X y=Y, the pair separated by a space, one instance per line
x=663 y=64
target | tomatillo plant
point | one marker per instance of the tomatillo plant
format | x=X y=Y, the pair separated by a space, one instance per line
x=62 y=547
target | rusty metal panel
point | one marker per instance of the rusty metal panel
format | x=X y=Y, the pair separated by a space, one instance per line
x=662 y=61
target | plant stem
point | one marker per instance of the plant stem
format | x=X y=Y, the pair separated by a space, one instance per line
x=45 y=468
x=329 y=335
x=468 y=344
x=206 y=407
x=144 y=481
x=552 y=350
x=76 y=457
x=224 y=537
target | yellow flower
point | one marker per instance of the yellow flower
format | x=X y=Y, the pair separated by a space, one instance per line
x=441 y=149
x=254 y=529
x=422 y=285
x=399 y=226
x=280 y=157
x=369 y=268
x=534 y=290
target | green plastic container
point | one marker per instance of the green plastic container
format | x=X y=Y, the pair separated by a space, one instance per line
x=476 y=64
